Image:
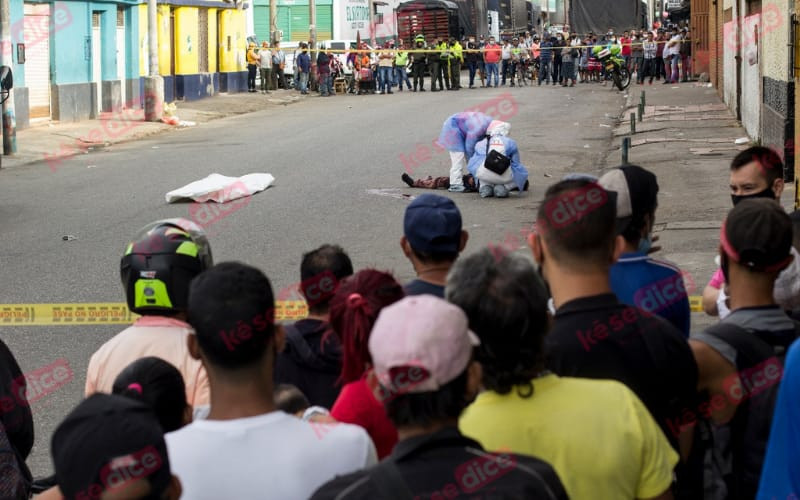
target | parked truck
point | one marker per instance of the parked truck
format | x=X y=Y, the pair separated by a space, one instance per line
x=441 y=18
x=513 y=16
x=431 y=18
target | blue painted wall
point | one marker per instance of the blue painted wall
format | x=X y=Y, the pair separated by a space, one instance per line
x=68 y=46
x=131 y=42
x=17 y=10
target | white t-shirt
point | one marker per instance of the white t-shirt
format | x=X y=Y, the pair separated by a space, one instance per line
x=271 y=456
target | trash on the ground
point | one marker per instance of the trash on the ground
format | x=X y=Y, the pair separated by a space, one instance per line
x=742 y=140
x=69 y=237
x=186 y=123
x=586 y=146
x=221 y=188
x=547 y=175
x=155 y=147
x=170 y=120
x=91 y=166
x=169 y=109
x=605 y=125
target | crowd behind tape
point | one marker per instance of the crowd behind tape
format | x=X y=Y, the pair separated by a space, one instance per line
x=117 y=313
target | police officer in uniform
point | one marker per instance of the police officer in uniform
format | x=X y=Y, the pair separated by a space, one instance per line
x=418 y=62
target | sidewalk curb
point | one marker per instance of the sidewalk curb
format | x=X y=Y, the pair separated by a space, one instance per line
x=160 y=128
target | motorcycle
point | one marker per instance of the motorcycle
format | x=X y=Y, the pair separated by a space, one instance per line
x=614 y=64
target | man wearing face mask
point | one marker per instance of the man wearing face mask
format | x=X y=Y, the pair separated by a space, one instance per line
x=594 y=335
x=638 y=280
x=756 y=172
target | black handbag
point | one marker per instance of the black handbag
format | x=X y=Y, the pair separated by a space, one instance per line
x=495 y=161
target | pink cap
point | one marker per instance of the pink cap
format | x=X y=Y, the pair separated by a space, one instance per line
x=420 y=343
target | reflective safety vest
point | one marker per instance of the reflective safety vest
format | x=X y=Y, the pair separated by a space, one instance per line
x=402 y=58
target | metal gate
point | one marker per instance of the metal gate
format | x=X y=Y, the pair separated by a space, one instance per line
x=37 y=59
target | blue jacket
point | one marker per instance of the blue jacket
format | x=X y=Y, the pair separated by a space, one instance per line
x=546 y=52
x=461 y=131
x=518 y=171
x=304 y=62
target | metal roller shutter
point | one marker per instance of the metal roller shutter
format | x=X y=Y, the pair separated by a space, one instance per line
x=324 y=22
x=261 y=22
x=37 y=58
x=299 y=20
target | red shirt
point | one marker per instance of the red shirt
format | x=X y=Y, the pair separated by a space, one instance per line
x=493 y=53
x=357 y=405
x=626 y=46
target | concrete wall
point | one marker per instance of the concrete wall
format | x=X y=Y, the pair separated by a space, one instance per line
x=729 y=53
x=777 y=110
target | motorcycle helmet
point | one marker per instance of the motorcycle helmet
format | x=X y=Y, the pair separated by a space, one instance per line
x=160 y=262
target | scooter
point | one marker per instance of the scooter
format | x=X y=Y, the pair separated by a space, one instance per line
x=614 y=64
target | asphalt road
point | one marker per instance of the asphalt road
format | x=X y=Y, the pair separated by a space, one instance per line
x=337 y=166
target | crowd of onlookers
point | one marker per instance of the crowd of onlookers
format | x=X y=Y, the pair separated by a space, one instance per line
x=484 y=377
x=562 y=58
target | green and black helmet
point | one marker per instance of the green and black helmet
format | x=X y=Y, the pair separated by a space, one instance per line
x=159 y=264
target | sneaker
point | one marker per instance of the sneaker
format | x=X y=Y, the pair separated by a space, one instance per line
x=380 y=92
x=486 y=191
x=422 y=90
x=390 y=92
x=457 y=189
x=526 y=186
x=408 y=180
x=500 y=191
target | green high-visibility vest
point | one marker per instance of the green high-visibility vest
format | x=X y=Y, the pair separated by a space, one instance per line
x=401 y=59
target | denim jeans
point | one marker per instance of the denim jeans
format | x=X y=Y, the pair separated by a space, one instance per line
x=504 y=69
x=401 y=75
x=473 y=68
x=385 y=76
x=325 y=84
x=544 y=71
x=491 y=69
x=303 y=79
x=674 y=75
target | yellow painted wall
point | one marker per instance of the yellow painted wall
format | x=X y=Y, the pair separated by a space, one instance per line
x=143 y=47
x=186 y=39
x=164 y=42
x=233 y=44
x=213 y=43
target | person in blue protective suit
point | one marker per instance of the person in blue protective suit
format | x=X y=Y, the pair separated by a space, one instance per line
x=492 y=183
x=460 y=133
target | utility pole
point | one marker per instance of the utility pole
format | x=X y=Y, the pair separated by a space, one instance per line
x=6 y=59
x=153 y=84
x=273 y=21
x=371 y=7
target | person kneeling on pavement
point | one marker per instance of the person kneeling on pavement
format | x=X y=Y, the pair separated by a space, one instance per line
x=496 y=164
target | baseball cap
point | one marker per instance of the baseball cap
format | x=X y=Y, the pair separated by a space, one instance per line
x=637 y=192
x=758 y=234
x=425 y=333
x=106 y=442
x=432 y=224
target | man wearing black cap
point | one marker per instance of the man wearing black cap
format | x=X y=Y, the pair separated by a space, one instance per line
x=246 y=448
x=112 y=447
x=432 y=239
x=740 y=358
x=594 y=335
x=650 y=284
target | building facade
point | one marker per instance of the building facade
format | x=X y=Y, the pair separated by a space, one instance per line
x=73 y=60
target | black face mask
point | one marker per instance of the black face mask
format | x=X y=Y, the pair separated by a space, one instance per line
x=767 y=193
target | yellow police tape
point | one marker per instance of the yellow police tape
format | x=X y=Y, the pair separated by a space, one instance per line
x=104 y=313
x=435 y=50
x=117 y=313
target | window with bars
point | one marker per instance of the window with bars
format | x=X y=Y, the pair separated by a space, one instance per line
x=202 y=40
